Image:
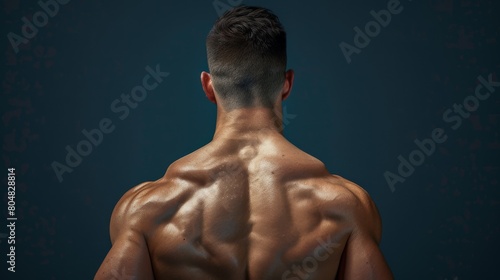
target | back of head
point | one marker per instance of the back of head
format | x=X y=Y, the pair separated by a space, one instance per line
x=246 y=51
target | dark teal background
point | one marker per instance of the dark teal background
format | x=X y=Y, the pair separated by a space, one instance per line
x=441 y=223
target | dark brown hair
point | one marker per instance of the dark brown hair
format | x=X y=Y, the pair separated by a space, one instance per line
x=246 y=51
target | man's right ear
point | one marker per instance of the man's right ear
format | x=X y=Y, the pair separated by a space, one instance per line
x=208 y=88
x=287 y=88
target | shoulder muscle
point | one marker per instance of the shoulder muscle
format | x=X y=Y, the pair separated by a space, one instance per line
x=126 y=213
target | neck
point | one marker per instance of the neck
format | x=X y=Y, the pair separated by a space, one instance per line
x=248 y=122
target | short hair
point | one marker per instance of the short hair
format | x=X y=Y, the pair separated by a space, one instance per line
x=246 y=51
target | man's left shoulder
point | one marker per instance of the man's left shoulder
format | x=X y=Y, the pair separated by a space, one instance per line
x=139 y=206
x=126 y=211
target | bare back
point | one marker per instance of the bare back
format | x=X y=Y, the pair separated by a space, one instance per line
x=255 y=208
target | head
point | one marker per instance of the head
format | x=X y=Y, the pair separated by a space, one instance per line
x=246 y=51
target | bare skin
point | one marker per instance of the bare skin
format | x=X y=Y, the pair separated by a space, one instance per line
x=248 y=205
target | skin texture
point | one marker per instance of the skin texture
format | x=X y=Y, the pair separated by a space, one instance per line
x=248 y=205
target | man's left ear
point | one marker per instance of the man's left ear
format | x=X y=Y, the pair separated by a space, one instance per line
x=208 y=88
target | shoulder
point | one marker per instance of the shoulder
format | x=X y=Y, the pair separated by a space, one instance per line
x=355 y=205
x=139 y=208
x=126 y=213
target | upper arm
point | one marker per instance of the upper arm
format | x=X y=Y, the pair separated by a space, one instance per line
x=362 y=258
x=129 y=255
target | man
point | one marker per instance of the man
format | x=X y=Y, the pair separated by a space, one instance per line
x=249 y=204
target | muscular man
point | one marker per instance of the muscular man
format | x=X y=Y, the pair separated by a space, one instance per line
x=249 y=204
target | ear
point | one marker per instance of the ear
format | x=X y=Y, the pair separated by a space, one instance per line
x=208 y=88
x=287 y=87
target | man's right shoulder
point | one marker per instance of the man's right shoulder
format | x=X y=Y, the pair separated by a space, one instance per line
x=354 y=204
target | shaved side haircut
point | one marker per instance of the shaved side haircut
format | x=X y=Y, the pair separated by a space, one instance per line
x=246 y=51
